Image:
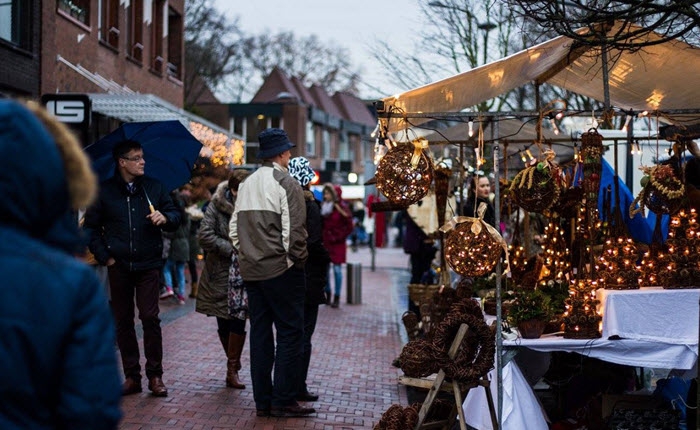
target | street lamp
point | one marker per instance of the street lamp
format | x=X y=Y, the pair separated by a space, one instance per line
x=486 y=27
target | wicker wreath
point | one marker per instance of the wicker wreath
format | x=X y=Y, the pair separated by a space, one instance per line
x=535 y=188
x=399 y=180
x=416 y=359
x=393 y=419
x=469 y=253
x=398 y=418
x=475 y=357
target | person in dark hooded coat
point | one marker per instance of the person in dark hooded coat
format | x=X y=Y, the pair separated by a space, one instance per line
x=315 y=271
x=59 y=369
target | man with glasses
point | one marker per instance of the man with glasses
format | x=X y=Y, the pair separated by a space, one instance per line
x=125 y=226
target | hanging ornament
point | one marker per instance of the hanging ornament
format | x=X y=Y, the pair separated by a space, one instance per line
x=404 y=174
x=473 y=247
x=663 y=192
x=537 y=187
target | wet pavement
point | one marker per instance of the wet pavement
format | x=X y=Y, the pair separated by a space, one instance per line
x=350 y=366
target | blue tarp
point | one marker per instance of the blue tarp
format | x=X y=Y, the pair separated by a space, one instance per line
x=640 y=228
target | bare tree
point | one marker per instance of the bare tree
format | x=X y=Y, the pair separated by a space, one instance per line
x=636 y=19
x=212 y=49
x=465 y=34
x=306 y=58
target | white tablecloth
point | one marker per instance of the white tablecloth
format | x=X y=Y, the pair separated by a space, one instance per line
x=651 y=314
x=521 y=410
x=622 y=351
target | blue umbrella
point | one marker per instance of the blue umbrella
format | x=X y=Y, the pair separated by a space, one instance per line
x=169 y=149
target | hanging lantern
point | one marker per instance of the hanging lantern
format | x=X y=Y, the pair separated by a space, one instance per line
x=404 y=174
x=473 y=247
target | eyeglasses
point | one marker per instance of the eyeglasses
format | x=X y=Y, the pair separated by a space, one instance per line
x=136 y=159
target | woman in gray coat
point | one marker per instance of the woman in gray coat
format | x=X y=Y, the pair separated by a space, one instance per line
x=212 y=297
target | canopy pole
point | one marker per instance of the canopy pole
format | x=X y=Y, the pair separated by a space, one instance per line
x=499 y=316
x=607 y=116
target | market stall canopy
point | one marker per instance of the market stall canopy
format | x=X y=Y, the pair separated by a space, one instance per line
x=655 y=78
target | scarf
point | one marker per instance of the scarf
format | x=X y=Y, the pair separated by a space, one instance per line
x=327 y=208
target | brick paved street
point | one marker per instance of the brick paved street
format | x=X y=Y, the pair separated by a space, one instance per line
x=350 y=366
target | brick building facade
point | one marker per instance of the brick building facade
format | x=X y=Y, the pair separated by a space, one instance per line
x=20 y=38
x=103 y=45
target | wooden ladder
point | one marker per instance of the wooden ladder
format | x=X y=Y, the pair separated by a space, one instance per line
x=458 y=392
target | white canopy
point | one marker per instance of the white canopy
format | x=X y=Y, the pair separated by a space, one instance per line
x=656 y=78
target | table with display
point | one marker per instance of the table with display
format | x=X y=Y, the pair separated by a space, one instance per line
x=650 y=327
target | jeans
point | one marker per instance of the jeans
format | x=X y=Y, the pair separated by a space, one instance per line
x=338 y=276
x=277 y=302
x=179 y=267
x=124 y=285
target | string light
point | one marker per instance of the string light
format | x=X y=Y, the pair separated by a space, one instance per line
x=628 y=118
x=553 y=123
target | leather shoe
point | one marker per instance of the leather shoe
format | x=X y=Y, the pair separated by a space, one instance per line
x=155 y=384
x=131 y=386
x=306 y=396
x=291 y=411
x=262 y=412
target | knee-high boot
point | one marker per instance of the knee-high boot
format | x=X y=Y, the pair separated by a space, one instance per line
x=235 y=348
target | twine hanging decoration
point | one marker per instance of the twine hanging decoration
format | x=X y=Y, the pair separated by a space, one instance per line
x=473 y=247
x=405 y=173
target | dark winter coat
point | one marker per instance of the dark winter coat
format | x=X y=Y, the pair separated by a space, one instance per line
x=180 y=238
x=336 y=228
x=118 y=226
x=59 y=368
x=212 y=297
x=489 y=215
x=319 y=260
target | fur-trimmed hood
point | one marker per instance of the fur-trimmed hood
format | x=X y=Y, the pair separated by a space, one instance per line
x=45 y=176
x=219 y=200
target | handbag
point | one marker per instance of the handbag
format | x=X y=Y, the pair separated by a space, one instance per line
x=237 y=295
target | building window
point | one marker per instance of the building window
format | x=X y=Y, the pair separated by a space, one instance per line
x=157 y=26
x=344 y=146
x=136 y=30
x=76 y=9
x=109 y=23
x=326 y=144
x=310 y=139
x=15 y=26
x=175 y=46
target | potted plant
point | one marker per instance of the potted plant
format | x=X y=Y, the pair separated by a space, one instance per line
x=529 y=311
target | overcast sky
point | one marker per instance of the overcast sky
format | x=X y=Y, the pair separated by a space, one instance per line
x=353 y=24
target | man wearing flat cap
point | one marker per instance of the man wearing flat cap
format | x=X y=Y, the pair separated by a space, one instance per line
x=268 y=230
